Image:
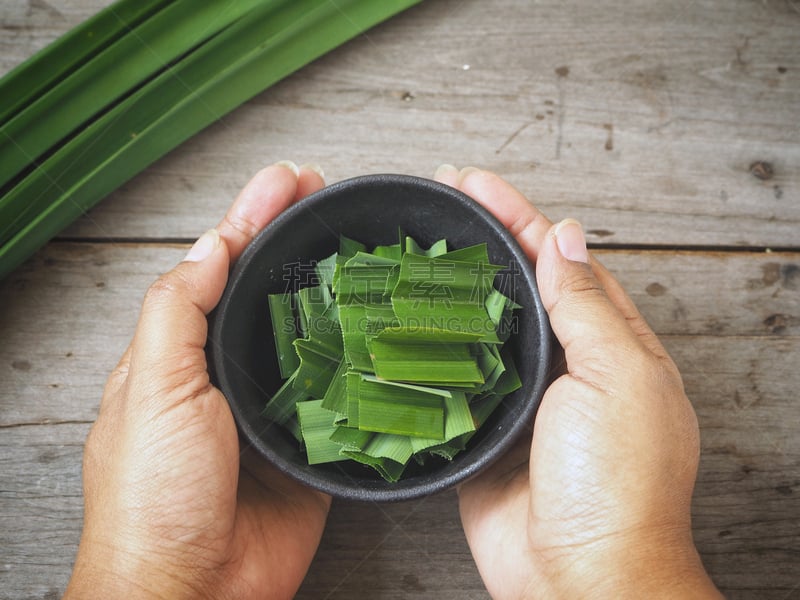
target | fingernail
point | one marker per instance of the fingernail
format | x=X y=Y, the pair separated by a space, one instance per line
x=287 y=164
x=444 y=170
x=203 y=247
x=466 y=172
x=314 y=167
x=571 y=241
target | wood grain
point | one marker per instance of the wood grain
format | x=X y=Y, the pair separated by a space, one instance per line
x=63 y=332
x=642 y=121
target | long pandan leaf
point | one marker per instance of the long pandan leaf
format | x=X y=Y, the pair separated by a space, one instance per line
x=263 y=46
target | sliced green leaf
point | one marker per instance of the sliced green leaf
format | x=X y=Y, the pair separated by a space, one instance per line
x=395 y=251
x=478 y=253
x=446 y=294
x=423 y=361
x=353 y=380
x=386 y=453
x=457 y=421
x=284 y=331
x=335 y=398
x=325 y=268
x=319 y=355
x=438 y=248
x=282 y=406
x=351 y=439
x=349 y=248
x=387 y=408
x=314 y=301
x=509 y=380
x=316 y=424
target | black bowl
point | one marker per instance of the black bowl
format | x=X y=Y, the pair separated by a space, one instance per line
x=369 y=209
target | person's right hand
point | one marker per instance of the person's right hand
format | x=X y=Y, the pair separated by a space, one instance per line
x=598 y=505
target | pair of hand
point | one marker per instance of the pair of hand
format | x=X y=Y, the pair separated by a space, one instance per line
x=598 y=504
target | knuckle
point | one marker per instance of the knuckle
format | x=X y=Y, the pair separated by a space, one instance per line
x=525 y=222
x=243 y=226
x=165 y=288
x=578 y=287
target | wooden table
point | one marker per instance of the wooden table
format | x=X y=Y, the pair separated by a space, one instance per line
x=642 y=119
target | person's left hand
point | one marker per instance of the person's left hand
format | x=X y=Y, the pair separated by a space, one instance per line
x=168 y=513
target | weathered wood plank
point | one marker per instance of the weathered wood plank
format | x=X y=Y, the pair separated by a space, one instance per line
x=69 y=313
x=745 y=508
x=41 y=508
x=642 y=120
x=62 y=328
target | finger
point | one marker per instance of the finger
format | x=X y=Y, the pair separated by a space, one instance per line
x=601 y=347
x=267 y=194
x=167 y=361
x=310 y=180
x=447 y=174
x=525 y=222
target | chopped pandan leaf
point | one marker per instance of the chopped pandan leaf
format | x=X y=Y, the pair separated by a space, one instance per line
x=491 y=365
x=390 y=470
x=481 y=409
x=457 y=421
x=351 y=439
x=361 y=284
x=315 y=301
x=348 y=248
x=386 y=453
x=447 y=450
x=319 y=355
x=354 y=321
x=437 y=249
x=302 y=323
x=396 y=366
x=444 y=364
x=509 y=380
x=487 y=360
x=418 y=355
x=474 y=254
x=379 y=317
x=353 y=380
x=391 y=282
x=414 y=334
x=365 y=259
x=335 y=399
x=395 y=252
x=325 y=268
x=360 y=288
x=400 y=410
x=436 y=391
x=446 y=294
x=316 y=424
x=500 y=309
x=281 y=407
x=292 y=425
x=284 y=330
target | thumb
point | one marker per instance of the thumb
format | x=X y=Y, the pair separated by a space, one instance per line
x=597 y=339
x=168 y=363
